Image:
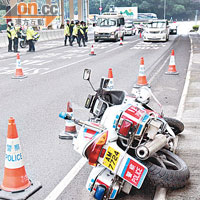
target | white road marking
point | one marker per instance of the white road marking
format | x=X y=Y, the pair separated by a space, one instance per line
x=67 y=179
x=7 y=71
x=113 y=49
x=186 y=86
x=44 y=62
x=66 y=66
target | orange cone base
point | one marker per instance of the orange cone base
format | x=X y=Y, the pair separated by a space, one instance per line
x=67 y=136
x=15 y=180
x=138 y=85
x=171 y=73
x=19 y=77
x=70 y=129
x=21 y=195
x=92 y=54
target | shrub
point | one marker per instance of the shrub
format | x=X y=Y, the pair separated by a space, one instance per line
x=195 y=27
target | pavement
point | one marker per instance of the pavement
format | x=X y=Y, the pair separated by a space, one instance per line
x=188 y=145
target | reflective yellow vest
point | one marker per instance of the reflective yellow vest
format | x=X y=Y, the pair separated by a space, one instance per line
x=75 y=31
x=13 y=33
x=8 y=32
x=30 y=33
x=66 y=31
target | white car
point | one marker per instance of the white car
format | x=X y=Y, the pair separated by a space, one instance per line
x=130 y=29
x=173 y=28
x=156 y=30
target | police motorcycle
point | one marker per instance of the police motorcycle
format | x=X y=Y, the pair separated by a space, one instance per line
x=126 y=141
x=23 y=39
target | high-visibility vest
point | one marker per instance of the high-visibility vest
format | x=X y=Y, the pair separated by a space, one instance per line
x=85 y=28
x=30 y=33
x=66 y=30
x=75 y=31
x=8 y=32
x=13 y=33
x=81 y=30
x=71 y=26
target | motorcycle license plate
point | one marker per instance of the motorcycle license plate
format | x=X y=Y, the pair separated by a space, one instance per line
x=134 y=172
x=111 y=158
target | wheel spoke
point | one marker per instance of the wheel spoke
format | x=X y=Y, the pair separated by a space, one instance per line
x=170 y=164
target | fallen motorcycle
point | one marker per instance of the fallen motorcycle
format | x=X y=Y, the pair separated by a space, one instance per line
x=126 y=141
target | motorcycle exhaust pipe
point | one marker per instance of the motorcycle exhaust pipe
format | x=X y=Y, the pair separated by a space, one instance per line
x=143 y=152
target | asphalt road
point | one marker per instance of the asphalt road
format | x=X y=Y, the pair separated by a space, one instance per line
x=55 y=77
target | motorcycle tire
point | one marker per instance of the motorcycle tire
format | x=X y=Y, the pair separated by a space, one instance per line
x=22 y=44
x=176 y=125
x=170 y=177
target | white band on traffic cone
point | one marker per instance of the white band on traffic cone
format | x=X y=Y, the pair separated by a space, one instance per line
x=14 y=158
x=172 y=60
x=110 y=84
x=142 y=70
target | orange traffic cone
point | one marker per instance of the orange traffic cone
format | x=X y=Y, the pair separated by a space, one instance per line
x=19 y=72
x=121 y=43
x=15 y=177
x=140 y=34
x=70 y=127
x=141 y=81
x=92 y=51
x=111 y=81
x=172 y=65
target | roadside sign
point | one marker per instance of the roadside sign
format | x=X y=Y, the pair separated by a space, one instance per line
x=100 y=8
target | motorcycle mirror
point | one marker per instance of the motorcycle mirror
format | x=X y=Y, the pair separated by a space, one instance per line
x=86 y=74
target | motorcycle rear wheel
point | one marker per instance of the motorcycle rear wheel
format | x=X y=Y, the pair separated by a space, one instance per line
x=22 y=44
x=167 y=170
x=176 y=125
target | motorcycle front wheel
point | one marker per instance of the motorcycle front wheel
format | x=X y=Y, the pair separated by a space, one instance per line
x=176 y=125
x=22 y=44
x=167 y=170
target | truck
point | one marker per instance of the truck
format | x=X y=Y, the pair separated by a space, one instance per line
x=109 y=26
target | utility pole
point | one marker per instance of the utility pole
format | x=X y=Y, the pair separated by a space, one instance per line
x=196 y=16
x=164 y=8
x=100 y=8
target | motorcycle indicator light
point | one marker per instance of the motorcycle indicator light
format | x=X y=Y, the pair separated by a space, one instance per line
x=94 y=150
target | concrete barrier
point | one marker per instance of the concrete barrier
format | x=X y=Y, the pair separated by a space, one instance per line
x=44 y=36
x=3 y=40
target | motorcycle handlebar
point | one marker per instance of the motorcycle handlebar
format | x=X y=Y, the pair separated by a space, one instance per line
x=64 y=115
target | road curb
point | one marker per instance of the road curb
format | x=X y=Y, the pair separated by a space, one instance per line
x=161 y=193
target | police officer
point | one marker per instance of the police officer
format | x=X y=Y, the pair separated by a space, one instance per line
x=9 y=36
x=85 y=29
x=81 y=35
x=67 y=33
x=75 y=33
x=14 y=34
x=30 y=36
x=71 y=26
